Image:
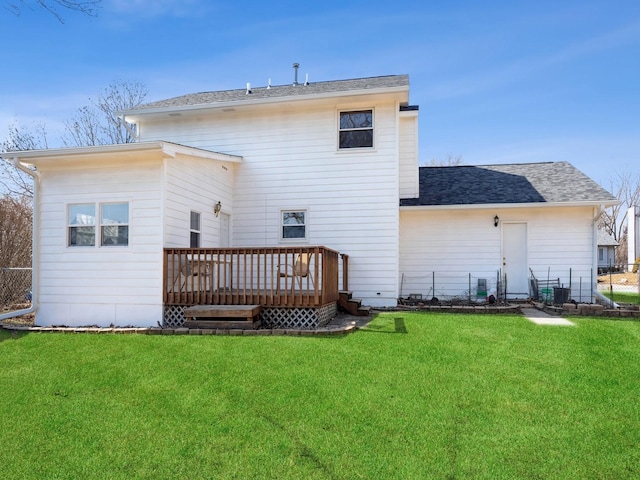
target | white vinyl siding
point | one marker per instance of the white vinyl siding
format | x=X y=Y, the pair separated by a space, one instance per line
x=451 y=244
x=289 y=158
x=408 y=145
x=120 y=286
x=195 y=185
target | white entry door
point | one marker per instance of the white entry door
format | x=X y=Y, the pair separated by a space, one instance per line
x=224 y=230
x=514 y=259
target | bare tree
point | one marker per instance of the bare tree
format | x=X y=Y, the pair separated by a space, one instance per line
x=98 y=123
x=14 y=181
x=15 y=231
x=85 y=7
x=94 y=124
x=625 y=186
x=448 y=161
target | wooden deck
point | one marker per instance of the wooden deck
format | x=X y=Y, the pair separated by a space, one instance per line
x=269 y=277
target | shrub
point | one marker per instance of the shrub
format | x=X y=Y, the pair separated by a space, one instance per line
x=636 y=264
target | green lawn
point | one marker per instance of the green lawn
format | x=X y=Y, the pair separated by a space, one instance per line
x=412 y=396
x=623 y=297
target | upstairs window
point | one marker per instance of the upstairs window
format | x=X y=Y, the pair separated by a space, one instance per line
x=294 y=224
x=356 y=129
x=194 y=232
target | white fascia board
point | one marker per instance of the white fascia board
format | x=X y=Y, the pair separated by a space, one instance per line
x=173 y=149
x=260 y=101
x=503 y=206
x=166 y=148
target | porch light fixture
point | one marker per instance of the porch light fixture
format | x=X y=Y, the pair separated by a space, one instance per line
x=496 y=220
x=216 y=209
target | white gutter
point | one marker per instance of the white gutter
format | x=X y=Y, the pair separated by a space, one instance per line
x=167 y=148
x=34 y=245
x=505 y=206
x=258 y=100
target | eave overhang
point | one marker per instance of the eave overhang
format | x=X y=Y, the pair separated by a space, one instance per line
x=132 y=115
x=485 y=206
x=166 y=149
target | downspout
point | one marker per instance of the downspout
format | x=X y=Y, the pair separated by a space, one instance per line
x=34 y=245
x=596 y=293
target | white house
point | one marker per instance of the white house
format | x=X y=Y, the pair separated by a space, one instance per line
x=606 y=251
x=257 y=179
x=633 y=235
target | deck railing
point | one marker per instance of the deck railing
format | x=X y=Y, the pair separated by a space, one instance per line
x=270 y=276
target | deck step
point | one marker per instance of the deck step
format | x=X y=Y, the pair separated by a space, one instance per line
x=353 y=306
x=223 y=316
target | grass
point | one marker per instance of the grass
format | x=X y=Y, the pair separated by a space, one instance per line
x=412 y=396
x=623 y=297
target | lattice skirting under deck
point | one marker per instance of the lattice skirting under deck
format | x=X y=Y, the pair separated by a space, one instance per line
x=298 y=317
x=272 y=317
x=173 y=316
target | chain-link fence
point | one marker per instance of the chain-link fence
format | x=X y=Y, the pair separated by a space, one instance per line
x=452 y=287
x=15 y=288
x=621 y=283
x=549 y=285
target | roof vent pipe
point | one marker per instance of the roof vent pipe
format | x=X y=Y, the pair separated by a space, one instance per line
x=295 y=74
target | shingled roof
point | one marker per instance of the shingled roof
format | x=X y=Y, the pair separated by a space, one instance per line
x=277 y=92
x=552 y=182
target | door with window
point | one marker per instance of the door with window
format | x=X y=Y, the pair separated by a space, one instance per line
x=514 y=260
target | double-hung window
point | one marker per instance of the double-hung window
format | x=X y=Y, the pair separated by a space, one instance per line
x=114 y=224
x=356 y=129
x=104 y=224
x=294 y=224
x=82 y=225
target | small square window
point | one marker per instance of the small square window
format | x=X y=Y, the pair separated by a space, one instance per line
x=294 y=224
x=356 y=129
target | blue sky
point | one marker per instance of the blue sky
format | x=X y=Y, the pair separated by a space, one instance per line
x=496 y=81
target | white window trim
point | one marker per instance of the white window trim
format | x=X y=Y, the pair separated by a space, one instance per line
x=373 y=128
x=304 y=239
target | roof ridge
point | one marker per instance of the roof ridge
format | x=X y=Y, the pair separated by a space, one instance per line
x=242 y=95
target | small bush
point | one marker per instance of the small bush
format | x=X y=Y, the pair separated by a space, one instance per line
x=636 y=264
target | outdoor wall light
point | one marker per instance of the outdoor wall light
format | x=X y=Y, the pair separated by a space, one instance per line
x=496 y=220
x=216 y=209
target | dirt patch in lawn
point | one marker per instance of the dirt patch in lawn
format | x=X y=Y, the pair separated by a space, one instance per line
x=626 y=278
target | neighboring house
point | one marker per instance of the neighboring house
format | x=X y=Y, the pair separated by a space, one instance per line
x=633 y=235
x=606 y=251
x=258 y=180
